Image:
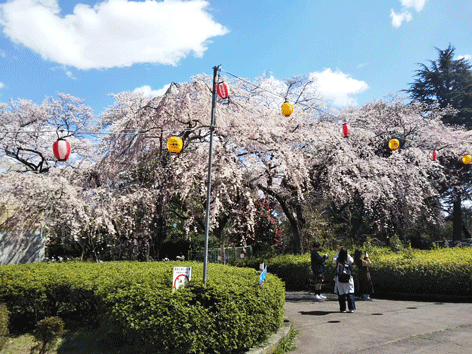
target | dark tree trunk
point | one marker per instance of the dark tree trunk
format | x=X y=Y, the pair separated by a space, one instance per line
x=296 y=221
x=457 y=217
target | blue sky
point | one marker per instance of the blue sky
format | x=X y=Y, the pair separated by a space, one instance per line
x=359 y=50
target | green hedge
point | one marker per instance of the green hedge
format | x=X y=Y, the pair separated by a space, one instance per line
x=294 y=270
x=134 y=302
x=446 y=271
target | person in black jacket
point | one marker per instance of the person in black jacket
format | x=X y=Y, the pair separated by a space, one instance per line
x=318 y=268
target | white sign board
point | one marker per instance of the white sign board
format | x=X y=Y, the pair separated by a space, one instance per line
x=182 y=275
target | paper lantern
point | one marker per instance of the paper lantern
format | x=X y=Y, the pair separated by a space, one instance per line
x=174 y=145
x=346 y=130
x=466 y=159
x=394 y=144
x=433 y=155
x=61 y=149
x=222 y=89
x=287 y=109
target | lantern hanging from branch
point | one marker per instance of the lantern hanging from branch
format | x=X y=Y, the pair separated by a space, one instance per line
x=433 y=155
x=61 y=149
x=287 y=109
x=222 y=89
x=394 y=144
x=466 y=159
x=346 y=130
x=174 y=145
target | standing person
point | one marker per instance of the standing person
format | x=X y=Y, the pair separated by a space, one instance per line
x=318 y=267
x=364 y=279
x=344 y=287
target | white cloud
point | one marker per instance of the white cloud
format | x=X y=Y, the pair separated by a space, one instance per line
x=397 y=19
x=2 y=85
x=338 y=87
x=3 y=54
x=64 y=68
x=405 y=15
x=147 y=91
x=70 y=75
x=112 y=33
x=417 y=4
x=466 y=57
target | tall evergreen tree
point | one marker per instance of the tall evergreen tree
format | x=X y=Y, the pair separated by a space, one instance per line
x=447 y=81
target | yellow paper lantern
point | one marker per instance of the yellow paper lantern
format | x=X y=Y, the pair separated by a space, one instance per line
x=174 y=145
x=466 y=159
x=287 y=109
x=394 y=144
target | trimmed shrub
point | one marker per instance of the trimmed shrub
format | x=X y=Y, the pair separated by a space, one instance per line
x=134 y=301
x=445 y=271
x=442 y=271
x=4 y=321
x=230 y=313
x=46 y=334
x=294 y=270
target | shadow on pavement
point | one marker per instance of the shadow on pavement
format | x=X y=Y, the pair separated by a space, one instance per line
x=317 y=313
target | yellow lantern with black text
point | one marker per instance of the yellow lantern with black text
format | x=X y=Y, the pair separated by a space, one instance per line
x=287 y=109
x=466 y=159
x=174 y=145
x=394 y=144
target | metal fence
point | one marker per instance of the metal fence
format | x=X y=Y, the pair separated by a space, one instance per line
x=215 y=254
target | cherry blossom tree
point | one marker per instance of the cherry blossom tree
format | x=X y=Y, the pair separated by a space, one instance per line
x=119 y=207
x=256 y=147
x=28 y=130
x=380 y=192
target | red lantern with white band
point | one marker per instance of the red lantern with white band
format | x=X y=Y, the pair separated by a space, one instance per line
x=433 y=155
x=222 y=89
x=346 y=130
x=61 y=149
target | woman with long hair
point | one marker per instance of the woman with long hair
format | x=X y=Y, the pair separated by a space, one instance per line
x=344 y=287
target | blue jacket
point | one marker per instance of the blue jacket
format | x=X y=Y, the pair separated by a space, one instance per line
x=318 y=265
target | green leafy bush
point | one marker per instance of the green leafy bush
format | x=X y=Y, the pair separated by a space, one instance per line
x=134 y=302
x=444 y=271
x=294 y=270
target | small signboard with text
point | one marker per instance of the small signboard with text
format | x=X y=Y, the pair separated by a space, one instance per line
x=182 y=275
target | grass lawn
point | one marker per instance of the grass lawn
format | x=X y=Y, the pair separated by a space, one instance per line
x=80 y=341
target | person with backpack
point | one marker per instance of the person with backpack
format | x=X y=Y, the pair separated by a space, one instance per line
x=318 y=268
x=344 y=285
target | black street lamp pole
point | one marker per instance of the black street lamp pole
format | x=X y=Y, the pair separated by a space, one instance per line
x=212 y=127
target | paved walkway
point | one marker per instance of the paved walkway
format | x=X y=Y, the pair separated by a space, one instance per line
x=379 y=326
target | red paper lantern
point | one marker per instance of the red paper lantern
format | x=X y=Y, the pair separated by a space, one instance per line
x=433 y=155
x=61 y=149
x=222 y=89
x=346 y=130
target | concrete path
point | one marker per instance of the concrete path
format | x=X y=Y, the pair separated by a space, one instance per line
x=379 y=326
